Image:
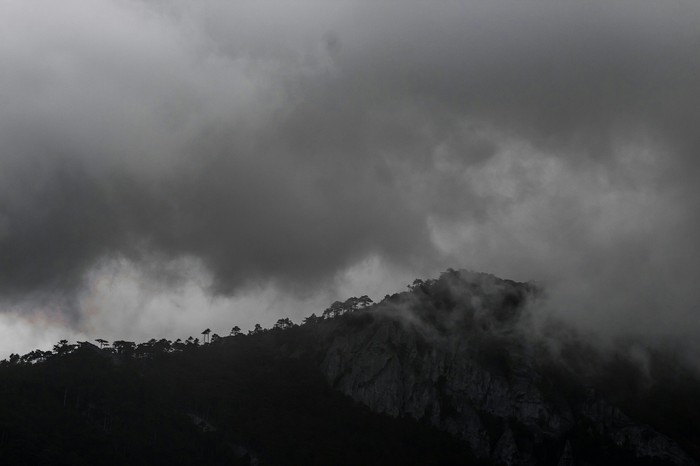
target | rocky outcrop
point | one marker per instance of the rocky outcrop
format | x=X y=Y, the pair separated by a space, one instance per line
x=506 y=450
x=641 y=440
x=484 y=388
x=567 y=456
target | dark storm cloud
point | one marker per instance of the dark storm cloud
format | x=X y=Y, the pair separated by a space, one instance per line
x=272 y=197
x=284 y=144
x=246 y=212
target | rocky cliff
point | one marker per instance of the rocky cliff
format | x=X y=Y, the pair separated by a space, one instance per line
x=452 y=353
x=444 y=374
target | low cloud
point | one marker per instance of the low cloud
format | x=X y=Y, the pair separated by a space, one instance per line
x=279 y=146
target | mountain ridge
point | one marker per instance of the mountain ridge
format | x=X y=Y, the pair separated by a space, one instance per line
x=444 y=372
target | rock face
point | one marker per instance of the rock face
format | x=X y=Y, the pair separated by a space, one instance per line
x=476 y=379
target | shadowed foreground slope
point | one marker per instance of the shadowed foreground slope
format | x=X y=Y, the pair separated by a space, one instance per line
x=441 y=374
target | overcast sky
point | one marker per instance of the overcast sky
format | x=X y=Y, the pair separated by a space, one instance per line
x=170 y=165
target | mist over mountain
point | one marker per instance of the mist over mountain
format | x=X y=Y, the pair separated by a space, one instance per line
x=447 y=372
x=224 y=158
x=173 y=166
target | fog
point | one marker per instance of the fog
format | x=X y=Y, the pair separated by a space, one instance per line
x=166 y=166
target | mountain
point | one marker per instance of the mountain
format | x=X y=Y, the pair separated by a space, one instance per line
x=453 y=352
x=444 y=373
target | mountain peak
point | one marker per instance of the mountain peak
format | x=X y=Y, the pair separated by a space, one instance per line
x=443 y=373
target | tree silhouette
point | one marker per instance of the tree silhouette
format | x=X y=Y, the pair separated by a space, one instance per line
x=162 y=346
x=417 y=283
x=283 y=324
x=235 y=331
x=178 y=345
x=124 y=348
x=312 y=319
x=364 y=301
x=145 y=349
x=102 y=342
x=206 y=333
x=335 y=310
x=34 y=356
x=62 y=347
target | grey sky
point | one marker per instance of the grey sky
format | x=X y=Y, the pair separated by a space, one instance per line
x=246 y=160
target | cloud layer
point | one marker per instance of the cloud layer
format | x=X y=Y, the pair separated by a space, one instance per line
x=278 y=145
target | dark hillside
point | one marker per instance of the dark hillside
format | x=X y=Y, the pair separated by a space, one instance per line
x=251 y=398
x=440 y=374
